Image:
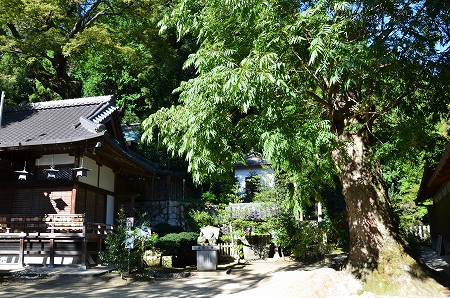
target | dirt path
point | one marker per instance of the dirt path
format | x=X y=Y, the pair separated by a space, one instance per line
x=258 y=279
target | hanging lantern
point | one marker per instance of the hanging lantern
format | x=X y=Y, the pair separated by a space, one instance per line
x=23 y=174
x=81 y=171
x=51 y=172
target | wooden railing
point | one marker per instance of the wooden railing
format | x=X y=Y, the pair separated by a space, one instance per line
x=226 y=250
x=51 y=235
x=421 y=232
x=52 y=224
x=98 y=229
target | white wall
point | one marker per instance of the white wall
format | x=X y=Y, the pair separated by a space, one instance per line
x=92 y=175
x=57 y=159
x=267 y=177
x=107 y=175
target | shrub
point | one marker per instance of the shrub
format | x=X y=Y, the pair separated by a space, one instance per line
x=116 y=253
x=202 y=218
x=309 y=243
x=173 y=243
x=163 y=229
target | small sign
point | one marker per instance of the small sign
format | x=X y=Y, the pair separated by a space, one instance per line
x=129 y=242
x=130 y=222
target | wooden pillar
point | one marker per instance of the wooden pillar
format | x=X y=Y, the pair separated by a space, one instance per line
x=83 y=253
x=73 y=200
x=21 y=252
x=84 y=245
x=52 y=253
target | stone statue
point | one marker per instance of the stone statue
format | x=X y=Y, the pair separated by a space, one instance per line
x=201 y=240
x=212 y=240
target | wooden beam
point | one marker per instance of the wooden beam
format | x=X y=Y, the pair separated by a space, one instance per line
x=73 y=200
x=21 y=252
x=52 y=253
x=83 y=254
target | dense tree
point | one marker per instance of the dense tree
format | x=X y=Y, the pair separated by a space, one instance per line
x=62 y=49
x=318 y=86
x=41 y=34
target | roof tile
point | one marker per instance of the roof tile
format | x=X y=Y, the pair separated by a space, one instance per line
x=55 y=121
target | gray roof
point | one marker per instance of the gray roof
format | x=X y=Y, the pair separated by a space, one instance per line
x=253 y=159
x=54 y=122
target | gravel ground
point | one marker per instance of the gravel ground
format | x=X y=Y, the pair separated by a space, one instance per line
x=263 y=278
x=272 y=278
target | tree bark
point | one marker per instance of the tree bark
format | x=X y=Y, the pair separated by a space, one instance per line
x=372 y=225
x=59 y=81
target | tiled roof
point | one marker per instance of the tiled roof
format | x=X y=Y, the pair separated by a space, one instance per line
x=54 y=122
x=253 y=159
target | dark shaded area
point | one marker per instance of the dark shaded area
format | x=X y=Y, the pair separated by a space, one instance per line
x=60 y=204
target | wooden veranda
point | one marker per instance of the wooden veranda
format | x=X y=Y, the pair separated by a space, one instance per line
x=51 y=239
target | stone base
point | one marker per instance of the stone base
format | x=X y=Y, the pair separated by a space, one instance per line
x=207 y=257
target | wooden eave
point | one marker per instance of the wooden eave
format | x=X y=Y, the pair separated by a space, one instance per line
x=115 y=156
x=433 y=179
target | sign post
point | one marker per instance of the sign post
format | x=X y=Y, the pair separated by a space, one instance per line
x=129 y=239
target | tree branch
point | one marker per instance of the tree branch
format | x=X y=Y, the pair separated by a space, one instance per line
x=316 y=98
x=14 y=31
x=387 y=108
x=85 y=18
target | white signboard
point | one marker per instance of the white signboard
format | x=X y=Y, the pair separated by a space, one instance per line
x=129 y=241
x=130 y=222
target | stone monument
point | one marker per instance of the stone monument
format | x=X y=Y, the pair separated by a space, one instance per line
x=207 y=249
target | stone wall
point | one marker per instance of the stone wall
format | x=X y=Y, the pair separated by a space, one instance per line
x=171 y=212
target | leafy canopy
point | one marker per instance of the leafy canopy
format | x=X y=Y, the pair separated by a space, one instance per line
x=58 y=49
x=241 y=96
x=290 y=77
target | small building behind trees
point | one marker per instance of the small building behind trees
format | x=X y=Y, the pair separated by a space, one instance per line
x=253 y=173
x=436 y=186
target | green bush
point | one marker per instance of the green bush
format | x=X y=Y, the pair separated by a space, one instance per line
x=116 y=254
x=163 y=229
x=308 y=243
x=174 y=243
x=201 y=218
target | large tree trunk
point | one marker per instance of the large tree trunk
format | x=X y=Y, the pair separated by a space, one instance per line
x=376 y=253
x=373 y=229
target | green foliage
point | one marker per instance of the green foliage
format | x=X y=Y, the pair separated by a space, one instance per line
x=163 y=160
x=116 y=253
x=239 y=224
x=228 y=192
x=308 y=242
x=209 y=198
x=163 y=229
x=173 y=243
x=57 y=49
x=404 y=181
x=202 y=218
x=303 y=81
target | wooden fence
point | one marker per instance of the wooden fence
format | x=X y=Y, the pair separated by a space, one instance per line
x=422 y=232
x=46 y=237
x=226 y=250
